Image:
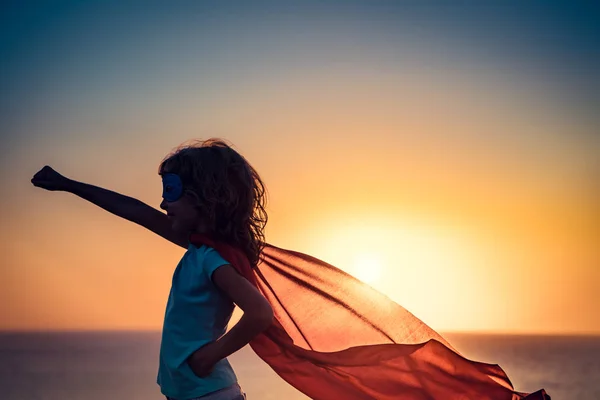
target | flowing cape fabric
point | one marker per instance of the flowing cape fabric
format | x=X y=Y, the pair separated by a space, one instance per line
x=334 y=337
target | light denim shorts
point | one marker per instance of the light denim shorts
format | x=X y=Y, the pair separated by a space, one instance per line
x=233 y=392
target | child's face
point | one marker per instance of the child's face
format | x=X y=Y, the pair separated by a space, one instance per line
x=180 y=205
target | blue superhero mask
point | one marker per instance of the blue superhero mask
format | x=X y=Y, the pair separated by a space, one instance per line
x=172 y=187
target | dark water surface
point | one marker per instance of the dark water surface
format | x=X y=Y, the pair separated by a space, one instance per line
x=123 y=365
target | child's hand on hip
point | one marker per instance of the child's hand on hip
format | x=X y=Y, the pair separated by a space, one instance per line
x=203 y=360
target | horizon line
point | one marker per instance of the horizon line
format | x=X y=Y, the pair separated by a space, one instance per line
x=441 y=332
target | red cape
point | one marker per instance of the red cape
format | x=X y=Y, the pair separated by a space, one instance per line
x=334 y=337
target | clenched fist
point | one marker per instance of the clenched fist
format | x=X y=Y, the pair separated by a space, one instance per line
x=47 y=178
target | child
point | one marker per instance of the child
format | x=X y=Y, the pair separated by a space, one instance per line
x=208 y=189
x=323 y=331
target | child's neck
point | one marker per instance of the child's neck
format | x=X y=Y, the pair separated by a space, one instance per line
x=201 y=229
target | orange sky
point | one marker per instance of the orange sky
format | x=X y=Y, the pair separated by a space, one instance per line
x=473 y=187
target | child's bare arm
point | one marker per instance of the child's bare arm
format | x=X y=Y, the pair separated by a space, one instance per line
x=258 y=316
x=123 y=206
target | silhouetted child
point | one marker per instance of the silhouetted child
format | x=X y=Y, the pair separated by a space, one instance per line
x=209 y=189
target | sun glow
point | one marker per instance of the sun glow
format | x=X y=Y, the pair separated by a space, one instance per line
x=427 y=268
x=367 y=267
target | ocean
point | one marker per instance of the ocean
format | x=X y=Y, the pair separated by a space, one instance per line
x=123 y=365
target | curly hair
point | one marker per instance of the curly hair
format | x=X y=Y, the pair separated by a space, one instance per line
x=232 y=196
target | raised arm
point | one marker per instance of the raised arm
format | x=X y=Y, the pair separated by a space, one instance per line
x=123 y=206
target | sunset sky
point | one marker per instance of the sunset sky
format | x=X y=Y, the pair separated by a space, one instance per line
x=449 y=154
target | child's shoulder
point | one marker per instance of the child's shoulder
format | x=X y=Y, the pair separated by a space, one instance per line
x=201 y=250
x=207 y=257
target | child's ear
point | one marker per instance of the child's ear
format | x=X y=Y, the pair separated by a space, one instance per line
x=193 y=196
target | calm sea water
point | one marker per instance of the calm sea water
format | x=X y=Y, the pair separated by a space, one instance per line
x=100 y=366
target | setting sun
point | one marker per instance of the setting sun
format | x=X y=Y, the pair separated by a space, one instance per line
x=427 y=268
x=367 y=268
